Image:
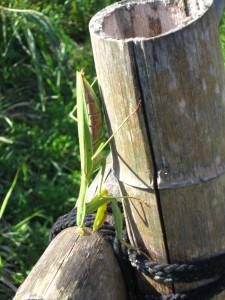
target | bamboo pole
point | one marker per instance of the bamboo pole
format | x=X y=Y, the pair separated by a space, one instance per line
x=171 y=155
x=219 y=7
x=75 y=267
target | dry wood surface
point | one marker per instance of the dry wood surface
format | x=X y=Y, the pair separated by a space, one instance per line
x=75 y=267
x=171 y=154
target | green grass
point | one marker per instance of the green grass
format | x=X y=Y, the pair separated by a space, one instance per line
x=39 y=57
x=222 y=35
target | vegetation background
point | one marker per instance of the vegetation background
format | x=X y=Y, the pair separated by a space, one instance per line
x=39 y=56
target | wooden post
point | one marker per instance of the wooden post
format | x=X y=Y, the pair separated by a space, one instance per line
x=171 y=155
x=219 y=7
x=75 y=267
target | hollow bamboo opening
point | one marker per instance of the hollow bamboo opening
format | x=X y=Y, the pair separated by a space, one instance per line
x=147 y=19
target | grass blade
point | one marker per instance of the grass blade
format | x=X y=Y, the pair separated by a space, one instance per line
x=8 y=195
x=25 y=221
x=5 y=140
x=1 y=265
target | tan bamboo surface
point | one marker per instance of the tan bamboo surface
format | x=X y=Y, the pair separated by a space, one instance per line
x=171 y=154
x=75 y=267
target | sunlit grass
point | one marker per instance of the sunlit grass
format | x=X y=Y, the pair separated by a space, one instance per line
x=222 y=35
x=39 y=54
x=38 y=58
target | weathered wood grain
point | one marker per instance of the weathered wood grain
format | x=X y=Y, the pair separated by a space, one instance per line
x=219 y=7
x=171 y=154
x=75 y=267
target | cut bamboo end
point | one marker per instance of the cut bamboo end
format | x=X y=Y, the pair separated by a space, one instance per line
x=129 y=20
x=171 y=154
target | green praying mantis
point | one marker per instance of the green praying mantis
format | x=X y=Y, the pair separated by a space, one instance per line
x=90 y=120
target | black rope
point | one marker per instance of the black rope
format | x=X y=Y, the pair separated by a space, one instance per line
x=206 y=292
x=69 y=220
x=161 y=273
x=182 y=272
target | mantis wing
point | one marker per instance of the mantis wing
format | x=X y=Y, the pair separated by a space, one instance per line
x=96 y=203
x=118 y=219
x=85 y=145
x=102 y=145
x=95 y=115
